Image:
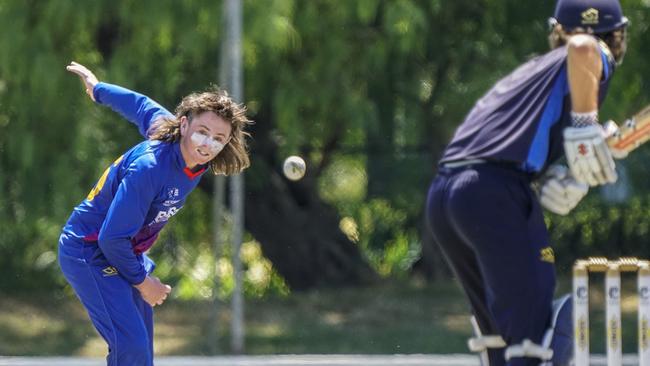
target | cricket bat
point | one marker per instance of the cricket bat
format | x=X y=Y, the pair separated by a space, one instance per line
x=630 y=135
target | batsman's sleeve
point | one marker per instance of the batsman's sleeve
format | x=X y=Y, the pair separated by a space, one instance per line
x=608 y=62
x=125 y=218
x=135 y=107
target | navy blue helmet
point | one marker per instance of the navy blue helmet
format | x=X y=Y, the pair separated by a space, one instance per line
x=594 y=16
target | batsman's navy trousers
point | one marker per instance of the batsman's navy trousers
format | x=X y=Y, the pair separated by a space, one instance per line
x=490 y=226
x=116 y=308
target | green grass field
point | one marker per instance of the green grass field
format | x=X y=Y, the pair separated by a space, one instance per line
x=383 y=319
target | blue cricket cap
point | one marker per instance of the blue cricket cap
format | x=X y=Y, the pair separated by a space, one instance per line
x=595 y=16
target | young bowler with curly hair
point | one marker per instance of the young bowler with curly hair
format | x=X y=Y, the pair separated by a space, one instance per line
x=102 y=248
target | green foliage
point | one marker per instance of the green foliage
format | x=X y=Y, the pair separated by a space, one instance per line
x=344 y=183
x=598 y=229
x=371 y=89
x=186 y=258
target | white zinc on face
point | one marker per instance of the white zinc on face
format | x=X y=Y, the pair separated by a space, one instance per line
x=203 y=138
x=213 y=144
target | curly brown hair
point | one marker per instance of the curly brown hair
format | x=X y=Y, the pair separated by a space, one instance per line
x=615 y=40
x=233 y=158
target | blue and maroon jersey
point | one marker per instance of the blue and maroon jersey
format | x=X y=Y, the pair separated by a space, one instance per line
x=520 y=120
x=137 y=194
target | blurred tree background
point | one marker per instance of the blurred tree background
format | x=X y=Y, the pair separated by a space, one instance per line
x=368 y=91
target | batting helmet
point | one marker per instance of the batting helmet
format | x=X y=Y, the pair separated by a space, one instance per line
x=594 y=16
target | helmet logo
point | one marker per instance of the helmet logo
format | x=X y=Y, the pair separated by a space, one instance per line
x=589 y=16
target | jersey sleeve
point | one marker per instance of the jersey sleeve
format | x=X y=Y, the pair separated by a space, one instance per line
x=135 y=107
x=609 y=63
x=125 y=218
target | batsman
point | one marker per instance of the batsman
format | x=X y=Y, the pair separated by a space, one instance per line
x=533 y=141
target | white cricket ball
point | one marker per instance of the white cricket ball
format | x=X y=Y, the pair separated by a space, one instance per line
x=294 y=167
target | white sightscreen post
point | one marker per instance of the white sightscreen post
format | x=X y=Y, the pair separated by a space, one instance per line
x=237 y=325
x=218 y=240
x=232 y=80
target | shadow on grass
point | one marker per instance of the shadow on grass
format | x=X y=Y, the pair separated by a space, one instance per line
x=393 y=317
x=42 y=325
x=383 y=319
x=386 y=319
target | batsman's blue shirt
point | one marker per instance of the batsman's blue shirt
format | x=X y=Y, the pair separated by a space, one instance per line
x=135 y=197
x=520 y=120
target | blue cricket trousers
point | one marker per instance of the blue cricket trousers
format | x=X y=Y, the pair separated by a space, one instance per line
x=116 y=308
x=490 y=227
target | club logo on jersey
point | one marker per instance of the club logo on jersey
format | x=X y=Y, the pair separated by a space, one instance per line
x=109 y=271
x=165 y=215
x=547 y=255
x=172 y=197
x=589 y=17
x=172 y=193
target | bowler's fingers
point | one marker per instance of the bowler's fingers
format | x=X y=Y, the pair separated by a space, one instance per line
x=162 y=299
x=87 y=77
x=78 y=69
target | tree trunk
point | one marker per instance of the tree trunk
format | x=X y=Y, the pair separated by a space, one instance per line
x=301 y=235
x=297 y=231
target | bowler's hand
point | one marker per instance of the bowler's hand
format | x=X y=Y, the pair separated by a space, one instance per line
x=153 y=291
x=87 y=77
